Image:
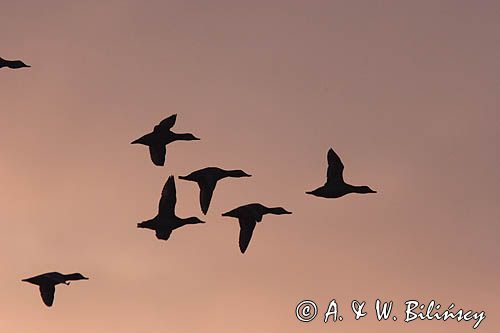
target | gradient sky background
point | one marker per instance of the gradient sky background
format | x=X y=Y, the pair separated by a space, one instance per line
x=407 y=92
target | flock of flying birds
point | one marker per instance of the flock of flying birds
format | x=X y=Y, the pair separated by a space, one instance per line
x=166 y=221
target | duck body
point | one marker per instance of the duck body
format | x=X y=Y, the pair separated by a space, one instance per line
x=166 y=221
x=163 y=227
x=207 y=179
x=248 y=216
x=332 y=192
x=48 y=281
x=12 y=64
x=335 y=186
x=160 y=137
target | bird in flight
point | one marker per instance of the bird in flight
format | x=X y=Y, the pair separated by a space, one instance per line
x=166 y=221
x=160 y=137
x=47 y=283
x=207 y=179
x=248 y=217
x=335 y=186
x=12 y=64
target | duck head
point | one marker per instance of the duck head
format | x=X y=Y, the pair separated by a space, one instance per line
x=317 y=192
x=185 y=137
x=22 y=64
x=279 y=211
x=143 y=140
x=75 y=277
x=30 y=280
x=238 y=173
x=364 y=189
x=149 y=224
x=230 y=214
x=193 y=220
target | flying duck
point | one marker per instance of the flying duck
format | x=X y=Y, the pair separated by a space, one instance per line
x=207 y=178
x=160 y=137
x=12 y=64
x=166 y=221
x=47 y=283
x=248 y=216
x=335 y=186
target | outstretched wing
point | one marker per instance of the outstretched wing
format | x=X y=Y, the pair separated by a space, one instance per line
x=206 y=192
x=168 y=198
x=246 y=231
x=47 y=292
x=158 y=153
x=335 y=171
x=166 y=124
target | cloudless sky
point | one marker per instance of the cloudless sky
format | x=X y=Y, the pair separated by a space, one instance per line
x=406 y=92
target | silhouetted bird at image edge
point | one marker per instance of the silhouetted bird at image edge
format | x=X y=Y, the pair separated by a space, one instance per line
x=335 y=185
x=47 y=283
x=160 y=137
x=12 y=64
x=166 y=221
x=207 y=179
x=248 y=217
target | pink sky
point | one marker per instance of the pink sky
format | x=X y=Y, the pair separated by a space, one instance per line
x=407 y=93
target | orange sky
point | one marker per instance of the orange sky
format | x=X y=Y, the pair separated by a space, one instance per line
x=406 y=92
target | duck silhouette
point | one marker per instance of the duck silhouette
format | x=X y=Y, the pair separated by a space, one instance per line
x=207 y=179
x=47 y=283
x=166 y=221
x=12 y=64
x=335 y=186
x=248 y=216
x=160 y=137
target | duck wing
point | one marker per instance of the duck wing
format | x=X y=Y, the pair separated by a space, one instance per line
x=166 y=124
x=158 y=153
x=47 y=292
x=246 y=231
x=206 y=191
x=168 y=198
x=334 y=174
